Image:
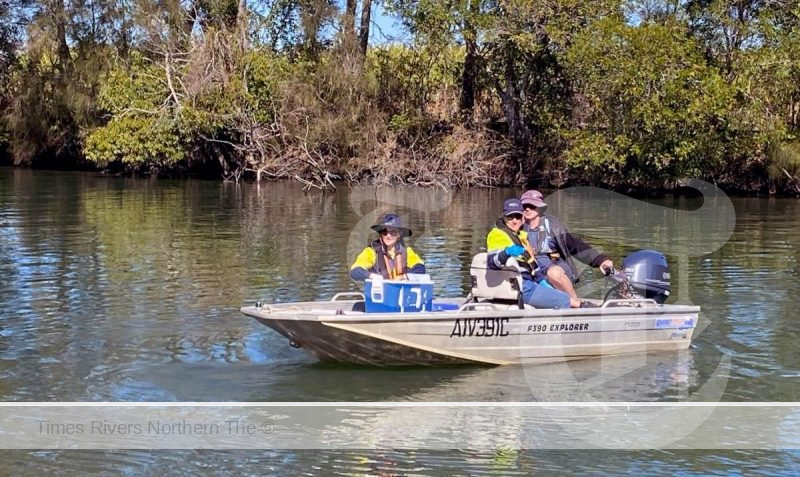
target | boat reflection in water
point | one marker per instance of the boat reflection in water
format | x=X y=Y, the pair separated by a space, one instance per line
x=490 y=408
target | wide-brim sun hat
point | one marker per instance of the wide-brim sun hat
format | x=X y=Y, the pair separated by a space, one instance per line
x=391 y=221
x=534 y=198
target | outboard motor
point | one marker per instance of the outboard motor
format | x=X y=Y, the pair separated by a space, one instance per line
x=647 y=275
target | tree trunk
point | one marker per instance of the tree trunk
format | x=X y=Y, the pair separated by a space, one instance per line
x=310 y=19
x=509 y=95
x=468 y=78
x=349 y=20
x=188 y=19
x=241 y=25
x=363 y=34
x=60 y=22
x=123 y=40
x=518 y=131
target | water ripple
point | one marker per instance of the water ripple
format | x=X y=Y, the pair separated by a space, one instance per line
x=124 y=289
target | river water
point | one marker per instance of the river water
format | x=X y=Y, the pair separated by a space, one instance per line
x=116 y=289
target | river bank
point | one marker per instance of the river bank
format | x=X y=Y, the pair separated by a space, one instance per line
x=541 y=180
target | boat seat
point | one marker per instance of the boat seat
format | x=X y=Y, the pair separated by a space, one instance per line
x=492 y=284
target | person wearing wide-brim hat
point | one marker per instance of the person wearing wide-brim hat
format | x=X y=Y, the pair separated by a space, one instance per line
x=554 y=246
x=507 y=240
x=387 y=256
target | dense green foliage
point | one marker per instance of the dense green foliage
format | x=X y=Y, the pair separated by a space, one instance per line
x=636 y=93
x=655 y=99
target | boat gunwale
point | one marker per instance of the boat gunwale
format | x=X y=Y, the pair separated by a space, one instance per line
x=285 y=311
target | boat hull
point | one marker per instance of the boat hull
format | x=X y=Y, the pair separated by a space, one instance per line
x=491 y=334
x=331 y=344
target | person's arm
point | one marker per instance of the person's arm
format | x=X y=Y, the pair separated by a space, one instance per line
x=496 y=244
x=572 y=245
x=415 y=263
x=584 y=252
x=359 y=271
x=359 y=274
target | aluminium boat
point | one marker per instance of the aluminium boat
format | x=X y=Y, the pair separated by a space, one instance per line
x=478 y=332
x=489 y=326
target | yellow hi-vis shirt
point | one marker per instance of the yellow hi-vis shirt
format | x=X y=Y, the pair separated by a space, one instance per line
x=366 y=259
x=497 y=240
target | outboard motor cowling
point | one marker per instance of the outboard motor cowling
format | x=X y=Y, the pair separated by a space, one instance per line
x=648 y=274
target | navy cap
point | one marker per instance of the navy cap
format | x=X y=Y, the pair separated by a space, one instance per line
x=512 y=206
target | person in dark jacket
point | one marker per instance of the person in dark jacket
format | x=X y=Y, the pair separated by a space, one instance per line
x=388 y=255
x=555 y=247
x=507 y=240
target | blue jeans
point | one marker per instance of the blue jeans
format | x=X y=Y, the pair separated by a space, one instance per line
x=541 y=296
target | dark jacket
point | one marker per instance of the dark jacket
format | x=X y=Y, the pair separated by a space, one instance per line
x=569 y=246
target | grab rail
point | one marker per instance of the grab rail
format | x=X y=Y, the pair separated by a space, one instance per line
x=634 y=301
x=270 y=309
x=355 y=294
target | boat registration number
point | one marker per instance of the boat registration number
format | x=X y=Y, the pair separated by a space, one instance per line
x=481 y=327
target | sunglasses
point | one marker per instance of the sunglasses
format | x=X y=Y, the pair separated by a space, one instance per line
x=514 y=217
x=390 y=232
x=529 y=207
